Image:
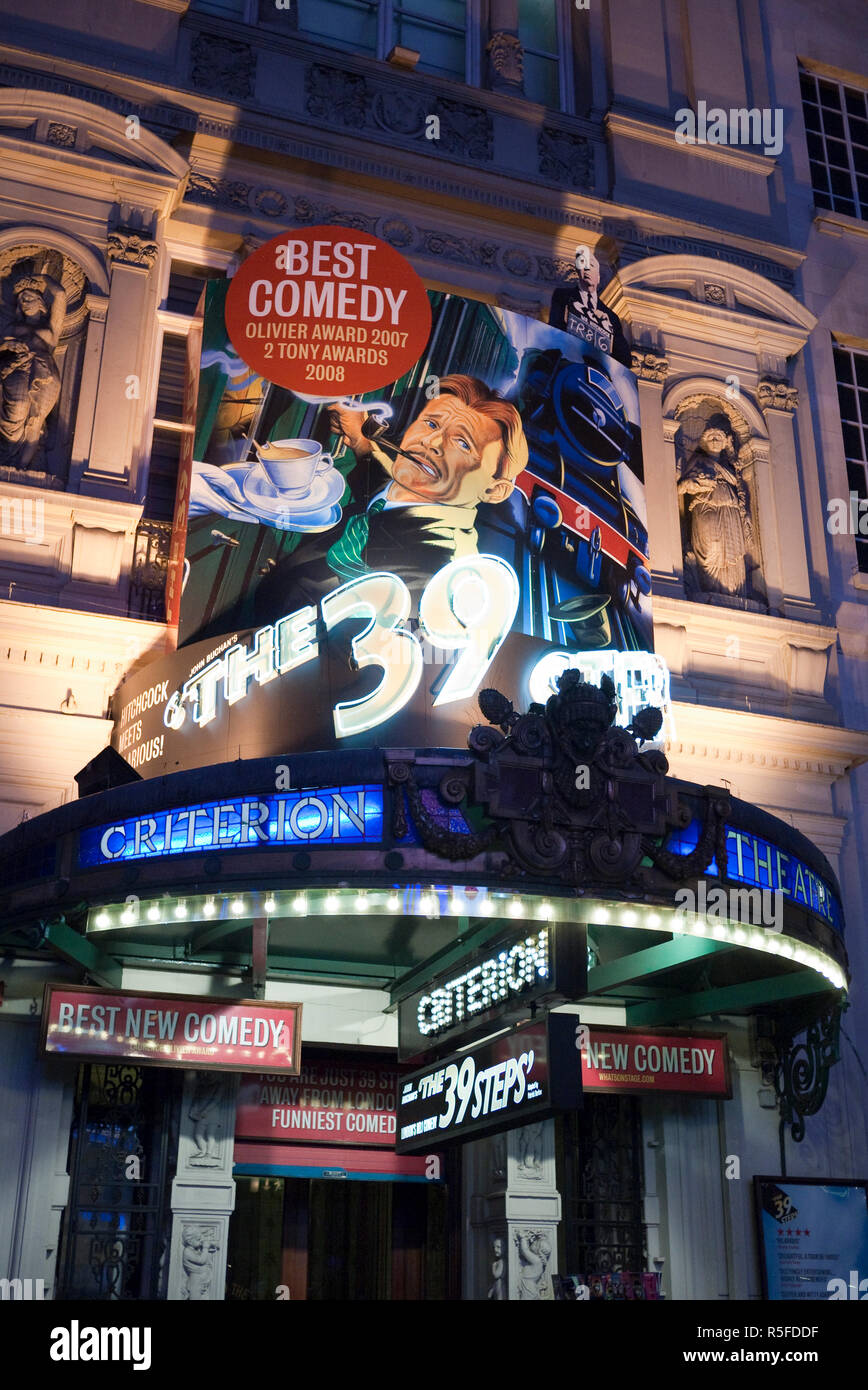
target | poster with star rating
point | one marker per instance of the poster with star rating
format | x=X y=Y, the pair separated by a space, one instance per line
x=813 y=1238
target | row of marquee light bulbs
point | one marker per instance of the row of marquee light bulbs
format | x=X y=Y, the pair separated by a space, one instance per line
x=510 y=906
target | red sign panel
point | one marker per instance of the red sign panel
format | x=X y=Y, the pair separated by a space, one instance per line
x=626 y=1059
x=330 y=1102
x=309 y=1161
x=327 y=311
x=169 y=1030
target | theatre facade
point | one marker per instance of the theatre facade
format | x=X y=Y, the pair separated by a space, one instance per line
x=432 y=856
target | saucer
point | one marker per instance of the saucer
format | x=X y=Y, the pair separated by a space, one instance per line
x=316 y=511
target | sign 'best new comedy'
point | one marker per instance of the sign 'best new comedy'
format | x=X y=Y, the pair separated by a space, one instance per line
x=169 y=1030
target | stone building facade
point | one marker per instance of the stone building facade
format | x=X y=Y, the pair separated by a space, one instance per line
x=148 y=146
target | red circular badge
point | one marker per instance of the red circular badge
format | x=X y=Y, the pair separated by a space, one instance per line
x=328 y=311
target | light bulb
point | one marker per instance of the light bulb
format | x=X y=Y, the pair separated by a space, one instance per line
x=331 y=903
x=516 y=908
x=392 y=902
x=102 y=919
x=361 y=902
x=208 y=908
x=299 y=903
x=270 y=904
x=180 y=909
x=237 y=905
x=154 y=913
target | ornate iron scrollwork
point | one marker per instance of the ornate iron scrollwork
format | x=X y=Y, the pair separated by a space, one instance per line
x=801 y=1073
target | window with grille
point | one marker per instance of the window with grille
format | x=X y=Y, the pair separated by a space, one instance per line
x=851 y=370
x=836 y=125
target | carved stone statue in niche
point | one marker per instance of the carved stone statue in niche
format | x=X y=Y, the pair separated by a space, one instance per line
x=719 y=533
x=44 y=311
x=34 y=305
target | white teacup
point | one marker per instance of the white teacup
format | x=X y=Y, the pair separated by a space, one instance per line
x=290 y=464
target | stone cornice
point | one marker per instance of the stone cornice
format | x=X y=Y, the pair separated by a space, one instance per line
x=640 y=232
x=738 y=737
x=651 y=134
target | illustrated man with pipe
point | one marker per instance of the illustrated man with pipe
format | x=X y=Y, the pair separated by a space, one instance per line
x=415 y=503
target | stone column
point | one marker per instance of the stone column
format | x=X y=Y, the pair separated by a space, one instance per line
x=504 y=50
x=779 y=402
x=658 y=452
x=97 y=310
x=773 y=543
x=125 y=365
x=513 y=1208
x=203 y=1192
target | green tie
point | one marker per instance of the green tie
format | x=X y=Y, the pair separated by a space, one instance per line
x=345 y=556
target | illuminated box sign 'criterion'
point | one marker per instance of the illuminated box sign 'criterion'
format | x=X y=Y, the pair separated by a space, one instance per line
x=330 y=815
x=529 y=1074
x=171 y=1030
x=526 y=966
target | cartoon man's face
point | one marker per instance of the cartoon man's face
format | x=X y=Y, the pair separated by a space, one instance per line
x=456 y=455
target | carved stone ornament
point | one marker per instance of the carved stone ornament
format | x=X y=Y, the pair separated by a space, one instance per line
x=521 y=794
x=506 y=56
x=775 y=393
x=497 y=1287
x=200 y=1242
x=130 y=247
x=59 y=133
x=205 y=1116
x=715 y=294
x=223 y=66
x=342 y=98
x=530 y=1152
x=336 y=96
x=535 y=1249
x=564 y=157
x=649 y=366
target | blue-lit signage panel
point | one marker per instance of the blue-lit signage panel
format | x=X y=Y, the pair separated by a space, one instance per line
x=755 y=861
x=330 y=815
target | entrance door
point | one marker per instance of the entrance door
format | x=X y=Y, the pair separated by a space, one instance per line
x=337 y=1240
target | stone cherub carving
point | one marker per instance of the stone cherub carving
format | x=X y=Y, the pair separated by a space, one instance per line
x=497 y=1288
x=534 y=1253
x=197 y=1260
x=719 y=523
x=34 y=307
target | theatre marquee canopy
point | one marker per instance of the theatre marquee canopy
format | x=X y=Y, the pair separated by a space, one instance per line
x=386 y=867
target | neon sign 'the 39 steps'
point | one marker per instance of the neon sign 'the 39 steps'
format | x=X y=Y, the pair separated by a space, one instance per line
x=468 y=607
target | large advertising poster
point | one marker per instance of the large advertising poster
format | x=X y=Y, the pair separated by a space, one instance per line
x=397 y=498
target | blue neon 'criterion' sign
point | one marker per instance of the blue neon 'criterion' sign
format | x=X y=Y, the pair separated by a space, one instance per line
x=336 y=815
